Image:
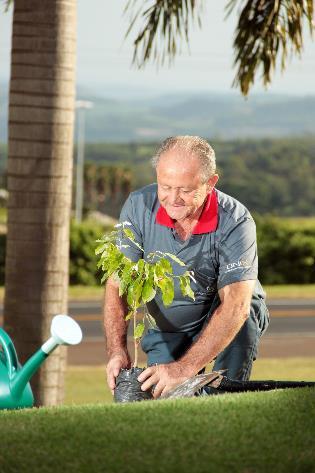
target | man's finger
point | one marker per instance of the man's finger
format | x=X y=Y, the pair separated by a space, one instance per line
x=165 y=389
x=158 y=390
x=111 y=381
x=111 y=377
x=149 y=382
x=146 y=373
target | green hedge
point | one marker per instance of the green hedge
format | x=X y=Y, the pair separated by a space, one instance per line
x=83 y=261
x=286 y=250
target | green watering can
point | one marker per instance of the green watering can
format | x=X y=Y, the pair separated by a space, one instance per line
x=15 y=389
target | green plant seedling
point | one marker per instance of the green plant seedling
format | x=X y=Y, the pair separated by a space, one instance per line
x=139 y=281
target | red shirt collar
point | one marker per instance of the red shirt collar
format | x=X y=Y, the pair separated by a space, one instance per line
x=208 y=220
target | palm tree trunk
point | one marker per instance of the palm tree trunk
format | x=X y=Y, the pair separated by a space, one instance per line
x=41 y=116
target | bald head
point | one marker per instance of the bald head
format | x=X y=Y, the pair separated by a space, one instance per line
x=182 y=149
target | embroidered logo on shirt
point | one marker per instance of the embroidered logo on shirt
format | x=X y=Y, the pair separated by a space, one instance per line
x=241 y=264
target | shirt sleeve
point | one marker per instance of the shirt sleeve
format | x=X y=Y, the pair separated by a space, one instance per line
x=129 y=218
x=238 y=259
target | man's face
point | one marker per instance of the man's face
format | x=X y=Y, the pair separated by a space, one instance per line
x=181 y=190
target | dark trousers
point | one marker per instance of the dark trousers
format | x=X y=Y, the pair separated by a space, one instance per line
x=237 y=358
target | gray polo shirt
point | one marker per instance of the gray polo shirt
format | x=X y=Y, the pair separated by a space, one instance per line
x=222 y=250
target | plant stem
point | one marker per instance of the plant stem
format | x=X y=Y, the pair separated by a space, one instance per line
x=134 y=338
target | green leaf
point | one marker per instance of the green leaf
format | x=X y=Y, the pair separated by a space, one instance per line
x=137 y=245
x=139 y=330
x=147 y=268
x=123 y=285
x=125 y=276
x=184 y=284
x=139 y=267
x=148 y=291
x=158 y=272
x=174 y=258
x=99 y=249
x=190 y=292
x=166 y=286
x=129 y=233
x=130 y=295
x=114 y=262
x=134 y=293
x=137 y=291
x=105 y=264
x=165 y=265
x=104 y=278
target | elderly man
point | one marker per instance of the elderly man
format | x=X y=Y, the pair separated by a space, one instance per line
x=215 y=236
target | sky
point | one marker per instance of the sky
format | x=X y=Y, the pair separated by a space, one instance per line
x=104 y=57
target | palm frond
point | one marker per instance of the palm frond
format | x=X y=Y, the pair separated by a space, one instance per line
x=266 y=30
x=7 y=4
x=164 y=25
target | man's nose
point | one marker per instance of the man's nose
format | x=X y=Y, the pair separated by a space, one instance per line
x=173 y=196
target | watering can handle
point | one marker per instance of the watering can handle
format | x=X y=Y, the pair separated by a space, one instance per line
x=9 y=352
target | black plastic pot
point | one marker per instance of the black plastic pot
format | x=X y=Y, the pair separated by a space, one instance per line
x=128 y=388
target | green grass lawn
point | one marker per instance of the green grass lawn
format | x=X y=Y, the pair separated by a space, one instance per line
x=248 y=433
x=78 y=293
x=87 y=384
x=291 y=291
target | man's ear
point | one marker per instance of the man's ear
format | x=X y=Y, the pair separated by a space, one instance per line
x=212 y=182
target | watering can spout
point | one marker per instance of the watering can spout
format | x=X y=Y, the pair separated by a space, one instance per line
x=64 y=331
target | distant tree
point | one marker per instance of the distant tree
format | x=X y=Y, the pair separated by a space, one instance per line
x=41 y=116
x=266 y=29
x=90 y=190
x=268 y=175
x=106 y=187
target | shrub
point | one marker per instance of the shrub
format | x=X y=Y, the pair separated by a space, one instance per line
x=286 y=250
x=83 y=261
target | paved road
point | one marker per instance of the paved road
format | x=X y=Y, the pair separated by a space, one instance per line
x=295 y=317
x=300 y=326
x=291 y=332
x=287 y=317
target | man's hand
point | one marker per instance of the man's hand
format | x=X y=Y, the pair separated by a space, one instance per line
x=115 y=364
x=164 y=377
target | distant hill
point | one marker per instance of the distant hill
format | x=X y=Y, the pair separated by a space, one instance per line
x=211 y=115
